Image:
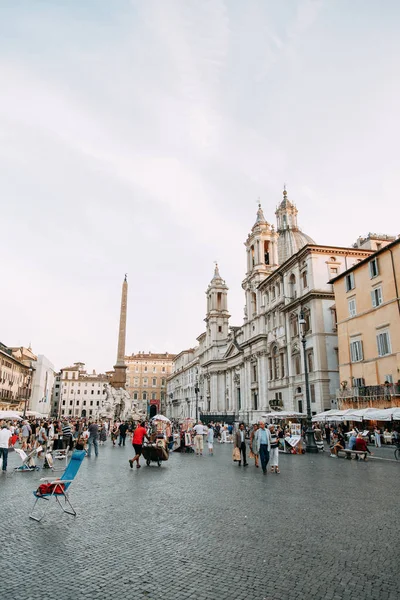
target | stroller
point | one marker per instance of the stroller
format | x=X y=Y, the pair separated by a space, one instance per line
x=28 y=460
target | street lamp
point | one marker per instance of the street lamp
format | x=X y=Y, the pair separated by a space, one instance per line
x=196 y=391
x=310 y=440
x=26 y=389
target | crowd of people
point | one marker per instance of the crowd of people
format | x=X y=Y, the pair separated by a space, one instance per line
x=259 y=442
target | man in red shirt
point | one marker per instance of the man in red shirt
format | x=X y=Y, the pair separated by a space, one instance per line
x=137 y=442
x=361 y=444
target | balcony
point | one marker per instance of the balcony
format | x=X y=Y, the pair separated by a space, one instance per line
x=377 y=396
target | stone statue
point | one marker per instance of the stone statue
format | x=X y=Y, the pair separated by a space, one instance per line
x=118 y=405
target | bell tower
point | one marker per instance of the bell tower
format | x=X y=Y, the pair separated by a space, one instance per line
x=262 y=259
x=217 y=317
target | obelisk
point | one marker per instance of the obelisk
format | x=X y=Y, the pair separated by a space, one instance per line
x=118 y=379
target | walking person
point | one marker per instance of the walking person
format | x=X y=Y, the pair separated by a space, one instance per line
x=210 y=440
x=274 y=451
x=240 y=442
x=262 y=445
x=93 y=440
x=137 y=442
x=328 y=434
x=5 y=443
x=198 y=438
x=252 y=453
x=123 y=428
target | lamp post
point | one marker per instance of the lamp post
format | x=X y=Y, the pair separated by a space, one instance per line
x=26 y=389
x=196 y=391
x=310 y=440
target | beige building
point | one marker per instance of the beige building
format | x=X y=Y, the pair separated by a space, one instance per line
x=78 y=393
x=146 y=379
x=16 y=374
x=368 y=320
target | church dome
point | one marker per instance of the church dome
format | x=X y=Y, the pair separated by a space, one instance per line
x=290 y=241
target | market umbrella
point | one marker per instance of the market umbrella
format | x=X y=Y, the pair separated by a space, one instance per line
x=160 y=418
x=9 y=414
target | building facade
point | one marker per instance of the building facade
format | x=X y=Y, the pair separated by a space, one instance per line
x=42 y=386
x=16 y=375
x=78 y=393
x=146 y=379
x=368 y=319
x=183 y=397
x=246 y=371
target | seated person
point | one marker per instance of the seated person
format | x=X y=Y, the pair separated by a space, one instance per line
x=361 y=444
x=352 y=440
x=340 y=444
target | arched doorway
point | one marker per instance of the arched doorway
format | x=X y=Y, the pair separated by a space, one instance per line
x=83 y=414
x=153 y=411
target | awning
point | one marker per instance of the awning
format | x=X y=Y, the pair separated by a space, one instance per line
x=9 y=414
x=284 y=415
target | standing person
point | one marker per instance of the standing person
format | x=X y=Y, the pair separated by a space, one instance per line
x=42 y=437
x=252 y=453
x=5 y=443
x=274 y=451
x=262 y=445
x=93 y=430
x=198 y=438
x=122 y=433
x=223 y=439
x=137 y=442
x=240 y=442
x=377 y=435
x=114 y=433
x=210 y=439
x=67 y=435
x=103 y=434
x=26 y=432
x=328 y=434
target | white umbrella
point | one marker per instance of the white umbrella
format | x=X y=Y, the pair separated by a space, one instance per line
x=396 y=414
x=160 y=418
x=9 y=414
x=284 y=415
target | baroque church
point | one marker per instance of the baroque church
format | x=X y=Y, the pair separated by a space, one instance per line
x=243 y=372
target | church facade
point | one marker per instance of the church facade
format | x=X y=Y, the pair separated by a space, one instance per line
x=243 y=372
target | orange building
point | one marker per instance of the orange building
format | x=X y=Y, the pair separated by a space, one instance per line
x=368 y=324
x=146 y=379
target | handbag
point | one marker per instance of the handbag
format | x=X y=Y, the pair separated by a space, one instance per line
x=236 y=455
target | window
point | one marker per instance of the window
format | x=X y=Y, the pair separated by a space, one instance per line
x=219 y=329
x=356 y=351
x=275 y=363
x=373 y=268
x=163 y=381
x=297 y=364
x=352 y=307
x=154 y=381
x=388 y=378
x=334 y=271
x=350 y=283
x=92 y=392
x=254 y=373
x=358 y=382
x=135 y=395
x=79 y=391
x=153 y=396
x=304 y=279
x=312 y=393
x=310 y=361
x=376 y=296
x=383 y=341
x=145 y=369
x=144 y=396
x=163 y=369
x=145 y=381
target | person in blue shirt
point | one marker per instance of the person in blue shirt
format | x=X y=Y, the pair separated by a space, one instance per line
x=262 y=445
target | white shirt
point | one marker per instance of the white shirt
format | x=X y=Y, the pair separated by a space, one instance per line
x=199 y=429
x=241 y=435
x=5 y=435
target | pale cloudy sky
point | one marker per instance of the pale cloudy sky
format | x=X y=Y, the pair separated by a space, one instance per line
x=136 y=136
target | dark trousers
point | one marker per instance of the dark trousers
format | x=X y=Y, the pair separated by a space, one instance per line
x=264 y=456
x=242 y=449
x=4 y=454
x=122 y=438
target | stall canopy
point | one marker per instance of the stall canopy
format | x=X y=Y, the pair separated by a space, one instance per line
x=363 y=414
x=284 y=415
x=9 y=414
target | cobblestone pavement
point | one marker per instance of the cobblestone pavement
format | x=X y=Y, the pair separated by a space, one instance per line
x=203 y=528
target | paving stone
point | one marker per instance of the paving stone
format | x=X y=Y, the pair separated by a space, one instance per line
x=204 y=529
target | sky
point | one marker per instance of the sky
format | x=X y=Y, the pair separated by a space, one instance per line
x=136 y=136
